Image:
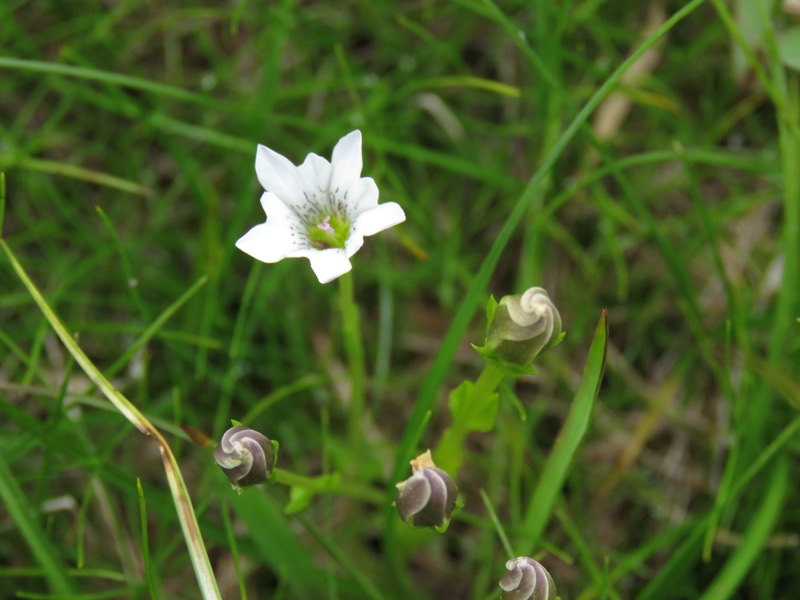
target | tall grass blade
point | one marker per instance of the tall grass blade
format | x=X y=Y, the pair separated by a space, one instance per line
x=180 y=495
x=569 y=438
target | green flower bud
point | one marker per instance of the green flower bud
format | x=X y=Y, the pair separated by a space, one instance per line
x=522 y=326
x=246 y=456
x=428 y=497
x=527 y=580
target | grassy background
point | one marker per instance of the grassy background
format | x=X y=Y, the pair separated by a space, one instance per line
x=127 y=134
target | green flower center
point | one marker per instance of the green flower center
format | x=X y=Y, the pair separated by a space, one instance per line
x=332 y=232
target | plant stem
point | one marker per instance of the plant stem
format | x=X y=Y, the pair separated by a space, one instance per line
x=351 y=332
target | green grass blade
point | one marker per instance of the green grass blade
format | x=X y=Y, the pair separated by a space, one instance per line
x=52 y=167
x=148 y=566
x=326 y=541
x=130 y=281
x=180 y=495
x=231 y=537
x=498 y=526
x=129 y=411
x=88 y=74
x=154 y=327
x=2 y=200
x=18 y=507
x=276 y=543
x=569 y=438
x=761 y=524
x=680 y=562
x=682 y=559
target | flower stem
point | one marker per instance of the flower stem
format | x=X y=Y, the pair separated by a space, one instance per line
x=354 y=349
x=449 y=454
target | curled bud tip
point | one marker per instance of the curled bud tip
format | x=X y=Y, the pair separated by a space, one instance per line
x=246 y=456
x=527 y=580
x=428 y=497
x=523 y=325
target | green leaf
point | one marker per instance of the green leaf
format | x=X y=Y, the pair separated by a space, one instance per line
x=471 y=413
x=301 y=493
x=299 y=499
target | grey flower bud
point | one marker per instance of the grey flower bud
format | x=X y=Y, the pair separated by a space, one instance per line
x=523 y=325
x=527 y=580
x=428 y=497
x=246 y=456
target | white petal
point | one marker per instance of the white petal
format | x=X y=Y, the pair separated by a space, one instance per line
x=361 y=195
x=279 y=237
x=276 y=211
x=353 y=243
x=346 y=161
x=268 y=243
x=315 y=172
x=329 y=264
x=279 y=176
x=377 y=219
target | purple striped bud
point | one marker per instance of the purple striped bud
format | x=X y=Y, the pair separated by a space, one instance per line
x=246 y=456
x=527 y=580
x=428 y=497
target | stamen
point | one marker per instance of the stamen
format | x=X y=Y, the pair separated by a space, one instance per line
x=325 y=225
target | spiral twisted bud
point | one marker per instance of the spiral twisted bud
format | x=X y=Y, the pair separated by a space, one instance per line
x=428 y=497
x=527 y=580
x=522 y=326
x=246 y=456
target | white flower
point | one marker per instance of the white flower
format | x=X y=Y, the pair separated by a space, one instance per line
x=320 y=210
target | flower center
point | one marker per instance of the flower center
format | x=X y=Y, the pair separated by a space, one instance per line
x=331 y=232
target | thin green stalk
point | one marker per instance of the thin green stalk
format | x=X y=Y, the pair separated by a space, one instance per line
x=498 y=526
x=351 y=331
x=327 y=500
x=180 y=495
